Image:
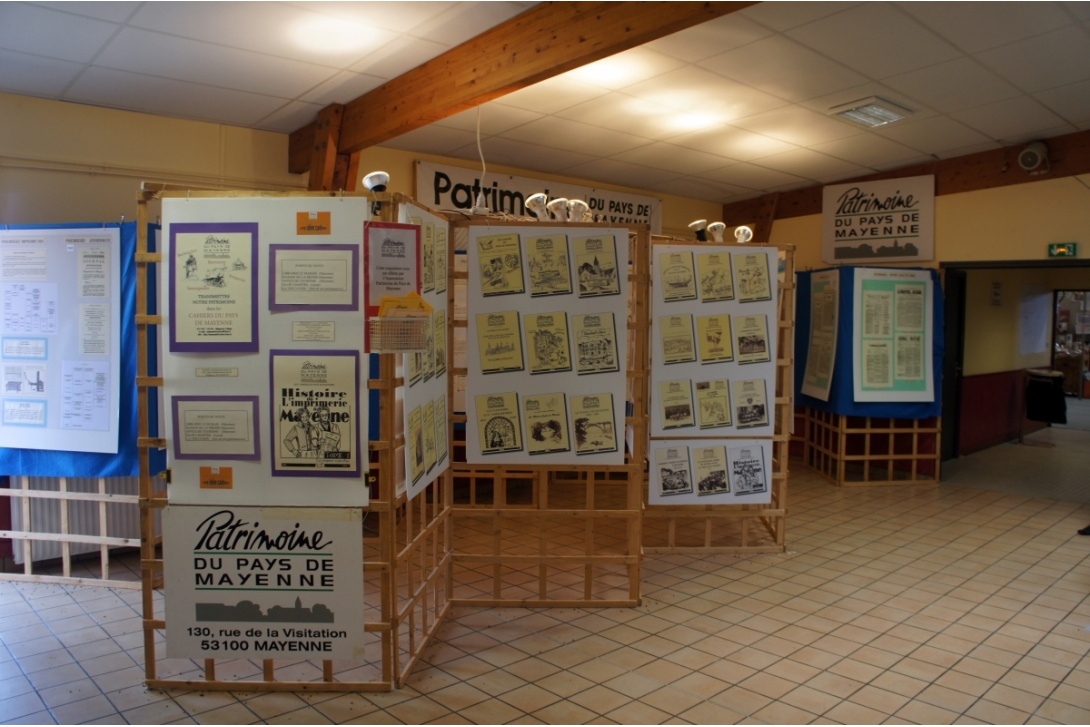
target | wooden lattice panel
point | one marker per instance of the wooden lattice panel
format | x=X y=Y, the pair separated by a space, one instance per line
x=859 y=451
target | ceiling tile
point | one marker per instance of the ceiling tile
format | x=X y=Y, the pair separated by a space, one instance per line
x=868 y=149
x=784 y=68
x=674 y=158
x=508 y=152
x=399 y=55
x=1072 y=103
x=1013 y=120
x=272 y=28
x=624 y=69
x=812 y=165
x=114 y=11
x=752 y=176
x=341 y=88
x=151 y=94
x=952 y=86
x=697 y=89
x=581 y=138
x=732 y=142
x=290 y=117
x=494 y=119
x=621 y=173
x=36 y=76
x=42 y=31
x=551 y=96
x=796 y=125
x=155 y=54
x=978 y=26
x=876 y=38
x=631 y=115
x=710 y=38
x=932 y=136
x=433 y=140
x=782 y=16
x=461 y=21
x=1059 y=58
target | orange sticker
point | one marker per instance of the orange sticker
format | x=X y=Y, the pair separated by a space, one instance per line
x=217 y=478
x=313 y=223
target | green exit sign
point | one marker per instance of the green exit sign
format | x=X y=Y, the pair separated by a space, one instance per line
x=1063 y=249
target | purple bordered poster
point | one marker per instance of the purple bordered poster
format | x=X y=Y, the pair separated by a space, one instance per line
x=315 y=413
x=213 y=287
x=314 y=277
x=216 y=427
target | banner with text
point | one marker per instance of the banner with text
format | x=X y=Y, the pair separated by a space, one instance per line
x=263 y=582
x=892 y=220
x=447 y=187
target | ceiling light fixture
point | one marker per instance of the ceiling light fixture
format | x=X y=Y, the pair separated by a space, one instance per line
x=870 y=112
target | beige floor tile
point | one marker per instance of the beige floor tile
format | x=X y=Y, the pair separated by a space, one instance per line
x=782 y=713
x=995 y=713
x=810 y=700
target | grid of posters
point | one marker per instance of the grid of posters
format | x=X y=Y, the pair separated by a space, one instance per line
x=892 y=345
x=60 y=339
x=710 y=472
x=546 y=335
x=713 y=373
x=423 y=405
x=263 y=373
x=713 y=340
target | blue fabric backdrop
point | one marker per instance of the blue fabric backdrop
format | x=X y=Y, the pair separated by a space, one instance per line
x=55 y=463
x=841 y=395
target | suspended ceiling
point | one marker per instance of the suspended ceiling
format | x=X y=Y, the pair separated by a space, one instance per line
x=725 y=111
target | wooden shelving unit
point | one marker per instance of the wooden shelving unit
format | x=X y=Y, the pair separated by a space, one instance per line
x=853 y=451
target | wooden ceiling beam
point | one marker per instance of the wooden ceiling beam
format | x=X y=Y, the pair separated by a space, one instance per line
x=544 y=41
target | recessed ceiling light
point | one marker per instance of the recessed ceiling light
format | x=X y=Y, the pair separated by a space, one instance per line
x=870 y=112
x=329 y=36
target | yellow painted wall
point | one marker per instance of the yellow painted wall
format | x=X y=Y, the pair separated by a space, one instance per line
x=1013 y=223
x=63 y=162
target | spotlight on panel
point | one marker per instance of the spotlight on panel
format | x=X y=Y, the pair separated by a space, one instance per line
x=577 y=210
x=376 y=182
x=700 y=228
x=536 y=204
x=716 y=229
x=559 y=208
x=743 y=234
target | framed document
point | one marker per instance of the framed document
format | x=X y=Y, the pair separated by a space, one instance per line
x=441 y=428
x=439 y=321
x=596 y=265
x=673 y=471
x=546 y=423
x=391 y=262
x=713 y=338
x=547 y=264
x=713 y=404
x=752 y=335
x=595 y=337
x=676 y=404
x=713 y=270
x=593 y=424
x=498 y=422
x=215 y=427
x=678 y=277
x=499 y=342
x=750 y=405
x=414 y=441
x=710 y=470
x=213 y=287
x=315 y=397
x=751 y=270
x=678 y=344
x=547 y=342
x=501 y=264
x=314 y=277
x=747 y=469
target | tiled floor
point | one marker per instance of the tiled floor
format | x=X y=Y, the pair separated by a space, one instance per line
x=930 y=605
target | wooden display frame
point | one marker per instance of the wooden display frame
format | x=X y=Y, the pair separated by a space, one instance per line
x=857 y=451
x=741 y=529
x=406 y=543
x=553 y=536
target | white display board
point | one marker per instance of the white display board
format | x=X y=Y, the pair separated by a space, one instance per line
x=263 y=582
x=713 y=374
x=546 y=344
x=424 y=405
x=713 y=341
x=265 y=382
x=60 y=339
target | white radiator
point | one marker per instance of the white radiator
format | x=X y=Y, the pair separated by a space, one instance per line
x=84 y=517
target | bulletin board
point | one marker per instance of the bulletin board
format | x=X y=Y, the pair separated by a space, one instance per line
x=265 y=382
